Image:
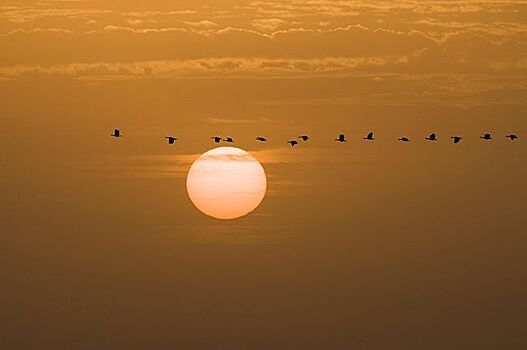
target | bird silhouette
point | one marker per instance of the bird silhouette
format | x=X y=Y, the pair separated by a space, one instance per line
x=369 y=137
x=486 y=137
x=431 y=137
x=116 y=133
x=303 y=137
x=512 y=137
x=404 y=139
x=171 y=139
x=261 y=139
x=292 y=142
x=216 y=139
x=456 y=138
x=228 y=139
x=341 y=138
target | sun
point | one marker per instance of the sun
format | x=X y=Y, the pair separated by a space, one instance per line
x=226 y=183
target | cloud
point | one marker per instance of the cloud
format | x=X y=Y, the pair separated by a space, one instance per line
x=211 y=67
x=140 y=21
x=177 y=165
x=29 y=14
x=36 y=30
x=137 y=44
x=269 y=24
x=203 y=24
x=157 y=13
x=267 y=40
x=113 y=28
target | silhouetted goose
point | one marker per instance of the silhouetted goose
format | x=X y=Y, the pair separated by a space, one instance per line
x=261 y=139
x=431 y=137
x=404 y=139
x=486 y=137
x=341 y=138
x=116 y=133
x=512 y=137
x=369 y=137
x=456 y=139
x=216 y=139
x=303 y=137
x=292 y=142
x=228 y=139
x=171 y=139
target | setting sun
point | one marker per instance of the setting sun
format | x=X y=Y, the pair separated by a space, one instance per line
x=226 y=183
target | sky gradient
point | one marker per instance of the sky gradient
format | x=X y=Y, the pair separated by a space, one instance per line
x=363 y=245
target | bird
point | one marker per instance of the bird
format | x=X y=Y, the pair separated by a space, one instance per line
x=456 y=138
x=369 y=137
x=341 y=138
x=292 y=142
x=431 y=137
x=216 y=139
x=512 y=137
x=404 y=139
x=486 y=137
x=171 y=139
x=116 y=133
x=228 y=139
x=303 y=137
x=261 y=139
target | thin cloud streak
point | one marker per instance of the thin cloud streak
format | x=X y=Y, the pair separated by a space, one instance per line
x=177 y=165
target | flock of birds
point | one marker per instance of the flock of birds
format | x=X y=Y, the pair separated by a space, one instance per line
x=341 y=138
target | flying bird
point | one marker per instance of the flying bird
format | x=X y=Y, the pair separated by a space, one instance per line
x=431 y=137
x=216 y=139
x=261 y=139
x=404 y=139
x=369 y=137
x=116 y=133
x=292 y=142
x=456 y=138
x=228 y=139
x=486 y=137
x=512 y=137
x=304 y=137
x=171 y=139
x=341 y=138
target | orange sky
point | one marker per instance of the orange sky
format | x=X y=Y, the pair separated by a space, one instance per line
x=361 y=245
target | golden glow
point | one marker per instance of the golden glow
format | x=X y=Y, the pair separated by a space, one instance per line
x=226 y=183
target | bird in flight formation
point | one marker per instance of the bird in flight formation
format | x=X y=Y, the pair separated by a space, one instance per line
x=456 y=139
x=292 y=142
x=369 y=137
x=486 y=137
x=171 y=139
x=431 y=137
x=341 y=138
